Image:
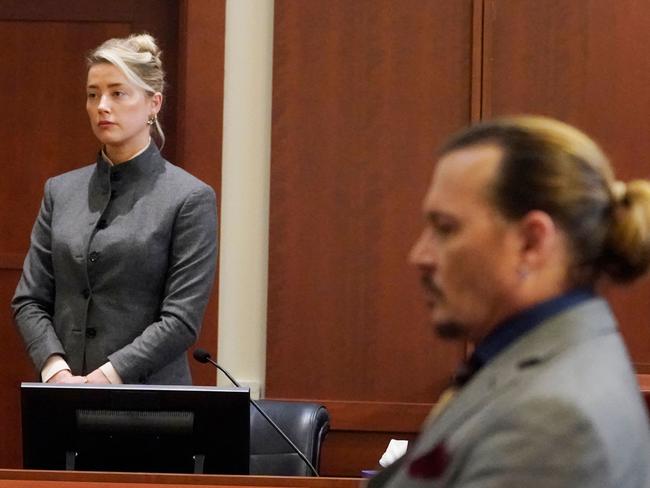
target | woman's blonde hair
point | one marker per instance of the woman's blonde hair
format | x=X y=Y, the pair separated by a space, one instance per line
x=139 y=58
x=551 y=166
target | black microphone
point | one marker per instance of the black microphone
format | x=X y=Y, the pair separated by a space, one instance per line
x=203 y=356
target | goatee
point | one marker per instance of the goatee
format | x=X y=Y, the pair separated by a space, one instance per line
x=450 y=331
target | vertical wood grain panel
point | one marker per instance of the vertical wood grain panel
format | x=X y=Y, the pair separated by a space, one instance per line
x=586 y=63
x=363 y=93
x=15 y=367
x=199 y=124
x=45 y=131
x=477 y=60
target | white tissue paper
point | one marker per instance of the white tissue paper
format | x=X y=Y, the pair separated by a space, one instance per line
x=395 y=450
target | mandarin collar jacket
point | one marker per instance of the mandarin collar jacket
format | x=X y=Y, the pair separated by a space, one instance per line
x=120 y=268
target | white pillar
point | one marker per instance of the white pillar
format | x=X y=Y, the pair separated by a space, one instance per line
x=245 y=191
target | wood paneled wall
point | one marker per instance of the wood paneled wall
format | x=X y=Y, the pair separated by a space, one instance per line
x=45 y=131
x=583 y=62
x=363 y=93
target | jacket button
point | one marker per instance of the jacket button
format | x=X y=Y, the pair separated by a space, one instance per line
x=116 y=176
x=102 y=224
x=90 y=333
x=86 y=293
x=93 y=256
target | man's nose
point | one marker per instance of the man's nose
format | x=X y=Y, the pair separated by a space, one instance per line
x=422 y=253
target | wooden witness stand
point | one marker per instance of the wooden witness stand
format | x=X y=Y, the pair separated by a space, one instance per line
x=16 y=478
x=22 y=478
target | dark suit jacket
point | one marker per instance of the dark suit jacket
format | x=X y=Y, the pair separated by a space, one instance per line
x=558 y=408
x=120 y=268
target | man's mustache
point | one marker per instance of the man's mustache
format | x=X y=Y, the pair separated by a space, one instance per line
x=429 y=285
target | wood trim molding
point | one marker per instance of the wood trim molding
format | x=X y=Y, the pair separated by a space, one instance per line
x=407 y=418
x=643 y=369
x=377 y=416
x=644 y=382
x=100 y=479
x=362 y=416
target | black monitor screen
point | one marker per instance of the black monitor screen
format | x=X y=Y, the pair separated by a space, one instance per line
x=167 y=429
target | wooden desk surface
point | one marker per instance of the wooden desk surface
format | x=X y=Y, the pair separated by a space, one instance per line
x=18 y=478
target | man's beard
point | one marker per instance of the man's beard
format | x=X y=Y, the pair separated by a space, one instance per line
x=450 y=331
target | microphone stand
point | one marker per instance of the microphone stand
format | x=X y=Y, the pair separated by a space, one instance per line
x=207 y=358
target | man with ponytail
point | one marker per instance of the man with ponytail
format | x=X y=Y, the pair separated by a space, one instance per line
x=524 y=224
x=123 y=251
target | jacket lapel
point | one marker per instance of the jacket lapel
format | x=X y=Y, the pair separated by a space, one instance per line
x=505 y=372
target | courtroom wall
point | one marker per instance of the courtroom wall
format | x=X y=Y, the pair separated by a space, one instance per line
x=363 y=93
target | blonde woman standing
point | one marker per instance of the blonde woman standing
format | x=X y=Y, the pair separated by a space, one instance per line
x=123 y=251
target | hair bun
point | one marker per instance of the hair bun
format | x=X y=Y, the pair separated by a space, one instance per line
x=626 y=255
x=145 y=43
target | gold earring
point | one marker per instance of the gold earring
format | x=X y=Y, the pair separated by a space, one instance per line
x=152 y=120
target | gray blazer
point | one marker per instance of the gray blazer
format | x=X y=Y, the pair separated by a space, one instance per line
x=120 y=268
x=558 y=408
